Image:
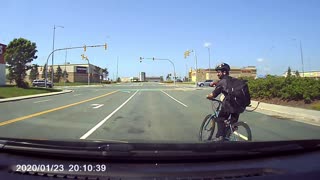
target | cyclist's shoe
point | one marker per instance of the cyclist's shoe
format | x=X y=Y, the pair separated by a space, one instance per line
x=219 y=139
x=235 y=128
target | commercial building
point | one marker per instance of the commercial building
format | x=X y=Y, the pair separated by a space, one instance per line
x=154 y=79
x=308 y=74
x=142 y=76
x=2 y=65
x=206 y=74
x=75 y=73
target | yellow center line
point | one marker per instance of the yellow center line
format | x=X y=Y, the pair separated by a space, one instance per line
x=51 y=110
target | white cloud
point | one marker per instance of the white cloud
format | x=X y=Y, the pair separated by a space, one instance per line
x=260 y=59
x=207 y=44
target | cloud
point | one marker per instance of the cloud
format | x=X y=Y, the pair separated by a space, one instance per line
x=207 y=44
x=260 y=59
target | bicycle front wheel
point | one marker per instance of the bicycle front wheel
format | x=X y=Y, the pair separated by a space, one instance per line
x=207 y=128
x=240 y=132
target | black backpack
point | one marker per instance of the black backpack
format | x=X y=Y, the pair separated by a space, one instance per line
x=238 y=94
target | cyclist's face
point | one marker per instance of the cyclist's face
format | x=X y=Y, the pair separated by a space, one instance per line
x=219 y=74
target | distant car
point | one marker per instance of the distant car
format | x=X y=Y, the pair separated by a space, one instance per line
x=41 y=83
x=205 y=83
x=179 y=80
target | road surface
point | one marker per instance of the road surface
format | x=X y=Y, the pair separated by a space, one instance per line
x=127 y=112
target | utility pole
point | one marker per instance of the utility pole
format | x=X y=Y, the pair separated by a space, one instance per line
x=117 y=66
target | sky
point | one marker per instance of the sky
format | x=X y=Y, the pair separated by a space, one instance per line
x=261 y=33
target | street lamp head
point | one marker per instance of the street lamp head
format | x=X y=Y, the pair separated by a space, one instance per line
x=207 y=44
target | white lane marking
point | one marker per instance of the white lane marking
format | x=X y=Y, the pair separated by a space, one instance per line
x=77 y=95
x=96 y=106
x=43 y=101
x=174 y=99
x=105 y=119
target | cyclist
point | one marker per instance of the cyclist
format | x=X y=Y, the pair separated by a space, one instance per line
x=226 y=109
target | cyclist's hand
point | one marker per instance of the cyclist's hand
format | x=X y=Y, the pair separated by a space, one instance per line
x=209 y=96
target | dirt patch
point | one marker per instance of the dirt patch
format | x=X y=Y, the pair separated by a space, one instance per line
x=298 y=104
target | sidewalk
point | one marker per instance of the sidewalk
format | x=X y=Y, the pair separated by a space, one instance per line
x=297 y=114
x=34 y=96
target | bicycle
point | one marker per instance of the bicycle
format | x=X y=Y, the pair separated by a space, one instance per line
x=239 y=131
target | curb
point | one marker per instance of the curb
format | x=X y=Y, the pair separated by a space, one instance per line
x=34 y=96
x=292 y=113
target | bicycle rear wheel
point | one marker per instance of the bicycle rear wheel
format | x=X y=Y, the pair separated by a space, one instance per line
x=241 y=132
x=207 y=128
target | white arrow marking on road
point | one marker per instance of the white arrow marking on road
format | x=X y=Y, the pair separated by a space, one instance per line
x=105 y=119
x=42 y=101
x=174 y=99
x=96 y=106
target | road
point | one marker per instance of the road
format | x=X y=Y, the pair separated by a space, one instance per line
x=137 y=111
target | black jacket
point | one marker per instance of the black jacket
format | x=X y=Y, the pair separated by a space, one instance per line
x=221 y=87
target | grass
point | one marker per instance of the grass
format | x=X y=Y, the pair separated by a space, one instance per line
x=316 y=106
x=13 y=91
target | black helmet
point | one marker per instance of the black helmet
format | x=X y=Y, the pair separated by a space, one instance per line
x=223 y=67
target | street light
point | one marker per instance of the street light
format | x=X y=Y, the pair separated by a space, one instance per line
x=54 y=33
x=207 y=45
x=301 y=56
x=87 y=59
x=196 y=63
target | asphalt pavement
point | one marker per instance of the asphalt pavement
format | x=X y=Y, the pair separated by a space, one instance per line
x=134 y=111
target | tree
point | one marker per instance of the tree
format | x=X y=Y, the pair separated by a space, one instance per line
x=168 y=77
x=105 y=70
x=58 y=74
x=19 y=54
x=289 y=72
x=65 y=75
x=297 y=74
x=34 y=73
x=44 y=71
x=49 y=73
x=119 y=79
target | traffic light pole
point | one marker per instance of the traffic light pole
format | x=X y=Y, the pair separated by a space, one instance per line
x=196 y=63
x=174 y=68
x=79 y=47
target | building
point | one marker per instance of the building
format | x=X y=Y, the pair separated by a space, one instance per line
x=309 y=74
x=129 y=79
x=2 y=65
x=75 y=73
x=206 y=74
x=154 y=79
x=142 y=76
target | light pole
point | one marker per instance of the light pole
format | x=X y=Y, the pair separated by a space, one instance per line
x=62 y=49
x=87 y=59
x=65 y=69
x=158 y=59
x=54 y=33
x=301 y=56
x=186 y=53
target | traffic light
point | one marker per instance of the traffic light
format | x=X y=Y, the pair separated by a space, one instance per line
x=140 y=59
x=153 y=58
x=84 y=48
x=186 y=54
x=105 y=46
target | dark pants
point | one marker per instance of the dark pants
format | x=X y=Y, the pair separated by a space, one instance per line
x=220 y=122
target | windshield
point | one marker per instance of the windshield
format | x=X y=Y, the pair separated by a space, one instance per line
x=145 y=71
